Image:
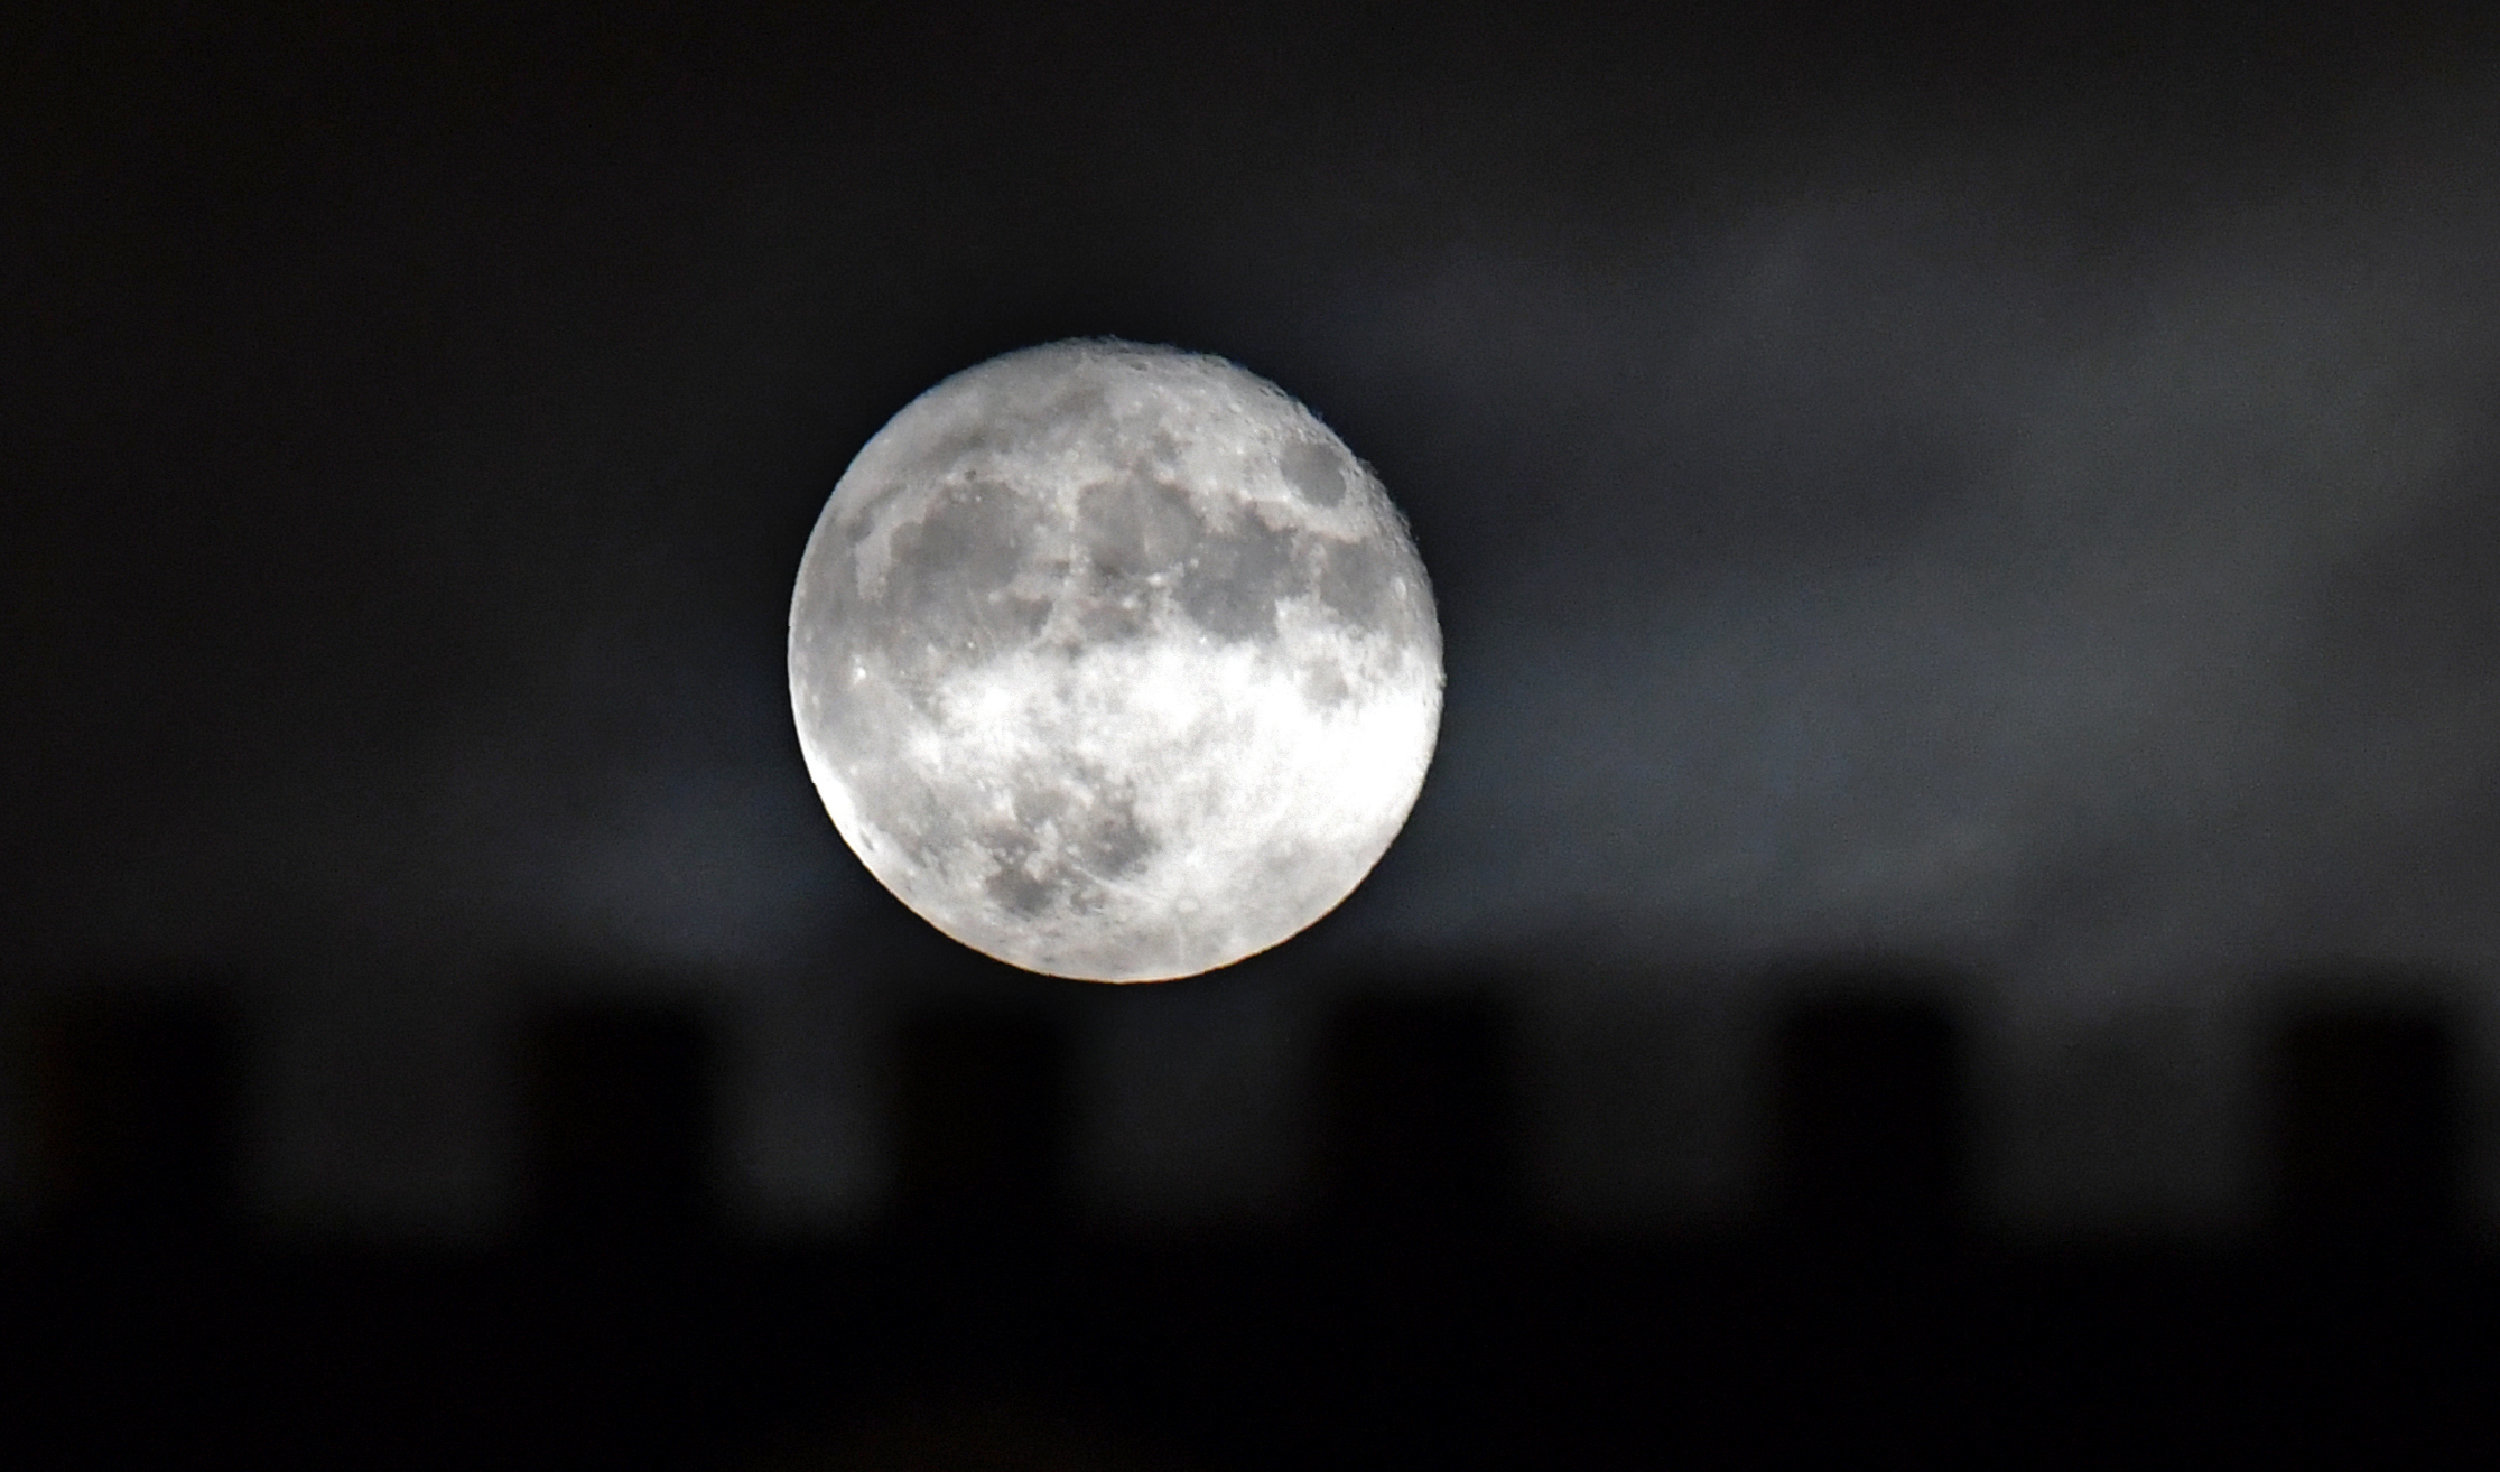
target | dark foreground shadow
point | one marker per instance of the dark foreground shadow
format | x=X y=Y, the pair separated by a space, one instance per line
x=1414 y=1315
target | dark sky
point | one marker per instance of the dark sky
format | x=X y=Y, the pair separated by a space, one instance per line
x=2010 y=487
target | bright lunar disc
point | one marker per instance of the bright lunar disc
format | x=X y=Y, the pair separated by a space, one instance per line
x=1113 y=663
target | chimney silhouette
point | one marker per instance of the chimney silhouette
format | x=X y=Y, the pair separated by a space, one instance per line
x=2365 y=1115
x=1418 y=1126
x=1867 y=1119
x=134 y=1101
x=620 y=1127
x=980 y=1122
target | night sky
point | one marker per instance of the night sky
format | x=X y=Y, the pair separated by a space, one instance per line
x=2010 y=489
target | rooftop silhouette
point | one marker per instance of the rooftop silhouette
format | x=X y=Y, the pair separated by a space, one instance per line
x=1410 y=1314
x=133 y=1113
x=2366 y=1135
x=1868 y=1136
x=980 y=1122
x=1419 y=1129
x=622 y=1143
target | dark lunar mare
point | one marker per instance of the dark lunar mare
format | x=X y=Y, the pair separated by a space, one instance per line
x=984 y=570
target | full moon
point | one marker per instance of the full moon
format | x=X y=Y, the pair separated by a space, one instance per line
x=1112 y=662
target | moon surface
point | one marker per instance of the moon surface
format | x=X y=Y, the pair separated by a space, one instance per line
x=1113 y=662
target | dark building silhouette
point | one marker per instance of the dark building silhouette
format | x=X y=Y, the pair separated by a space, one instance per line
x=1418 y=1127
x=1867 y=1117
x=2365 y=1126
x=620 y=1132
x=132 y=1114
x=980 y=1121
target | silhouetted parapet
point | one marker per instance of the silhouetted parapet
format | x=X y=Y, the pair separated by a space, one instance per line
x=132 y=1115
x=620 y=1130
x=2365 y=1126
x=1868 y=1128
x=1418 y=1128
x=980 y=1122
